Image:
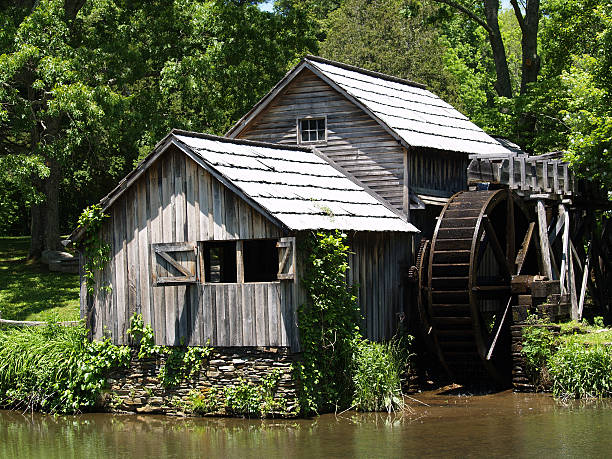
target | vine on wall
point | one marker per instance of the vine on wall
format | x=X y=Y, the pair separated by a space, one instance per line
x=328 y=324
x=182 y=362
x=339 y=368
x=96 y=252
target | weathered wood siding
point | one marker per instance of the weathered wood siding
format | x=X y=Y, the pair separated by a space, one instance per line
x=437 y=173
x=354 y=140
x=178 y=201
x=357 y=142
x=376 y=266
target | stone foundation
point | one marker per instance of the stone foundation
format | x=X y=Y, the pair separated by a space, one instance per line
x=139 y=390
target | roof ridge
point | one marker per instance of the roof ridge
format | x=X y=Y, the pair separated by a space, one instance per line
x=373 y=73
x=253 y=143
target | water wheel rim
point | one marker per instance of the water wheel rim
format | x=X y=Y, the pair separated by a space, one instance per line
x=457 y=241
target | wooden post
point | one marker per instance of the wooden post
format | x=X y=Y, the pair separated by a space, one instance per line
x=406 y=185
x=565 y=253
x=239 y=262
x=544 y=247
x=585 y=277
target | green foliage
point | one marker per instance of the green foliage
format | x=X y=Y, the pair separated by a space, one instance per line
x=538 y=347
x=579 y=371
x=144 y=336
x=376 y=378
x=55 y=369
x=204 y=402
x=328 y=326
x=97 y=253
x=182 y=362
x=249 y=399
x=389 y=36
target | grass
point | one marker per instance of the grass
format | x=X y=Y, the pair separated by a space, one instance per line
x=29 y=291
x=583 y=333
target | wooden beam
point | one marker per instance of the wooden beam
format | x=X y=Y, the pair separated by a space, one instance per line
x=563 y=214
x=585 y=276
x=497 y=249
x=520 y=257
x=544 y=246
x=240 y=262
x=406 y=184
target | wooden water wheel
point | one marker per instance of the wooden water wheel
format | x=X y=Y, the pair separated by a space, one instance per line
x=480 y=242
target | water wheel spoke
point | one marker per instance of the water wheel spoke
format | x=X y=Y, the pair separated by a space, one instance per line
x=522 y=253
x=497 y=249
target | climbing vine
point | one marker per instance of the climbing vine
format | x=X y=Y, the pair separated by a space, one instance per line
x=96 y=252
x=328 y=324
x=182 y=362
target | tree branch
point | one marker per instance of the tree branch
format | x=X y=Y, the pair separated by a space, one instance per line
x=519 y=15
x=467 y=12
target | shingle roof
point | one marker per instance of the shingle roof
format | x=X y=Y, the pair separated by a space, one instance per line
x=296 y=186
x=410 y=112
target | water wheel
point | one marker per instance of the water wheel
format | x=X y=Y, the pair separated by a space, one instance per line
x=480 y=242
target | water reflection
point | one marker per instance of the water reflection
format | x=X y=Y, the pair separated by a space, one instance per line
x=441 y=425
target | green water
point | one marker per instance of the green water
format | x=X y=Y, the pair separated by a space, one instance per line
x=498 y=425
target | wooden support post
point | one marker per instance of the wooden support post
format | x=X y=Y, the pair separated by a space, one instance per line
x=565 y=254
x=239 y=262
x=572 y=286
x=585 y=277
x=544 y=246
x=406 y=185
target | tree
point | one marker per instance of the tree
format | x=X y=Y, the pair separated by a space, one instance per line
x=486 y=14
x=88 y=87
x=389 y=36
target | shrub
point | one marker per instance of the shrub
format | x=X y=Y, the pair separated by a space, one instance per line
x=205 y=402
x=579 y=371
x=54 y=368
x=376 y=377
x=248 y=399
x=538 y=347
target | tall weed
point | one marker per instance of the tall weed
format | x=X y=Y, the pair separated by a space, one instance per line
x=579 y=371
x=377 y=375
x=54 y=368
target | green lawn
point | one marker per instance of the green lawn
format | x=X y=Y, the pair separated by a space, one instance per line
x=584 y=333
x=28 y=291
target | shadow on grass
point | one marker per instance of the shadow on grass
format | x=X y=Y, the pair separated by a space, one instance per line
x=29 y=291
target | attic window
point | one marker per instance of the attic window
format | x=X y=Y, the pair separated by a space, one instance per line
x=312 y=130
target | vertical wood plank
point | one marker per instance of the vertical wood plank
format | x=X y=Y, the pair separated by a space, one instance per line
x=544 y=246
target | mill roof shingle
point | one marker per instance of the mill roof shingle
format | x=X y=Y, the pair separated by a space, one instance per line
x=415 y=116
x=296 y=186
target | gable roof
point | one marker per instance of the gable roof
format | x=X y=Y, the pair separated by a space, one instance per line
x=294 y=187
x=413 y=115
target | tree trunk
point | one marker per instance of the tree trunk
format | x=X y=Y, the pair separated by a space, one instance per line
x=502 y=85
x=529 y=44
x=52 y=232
x=37 y=232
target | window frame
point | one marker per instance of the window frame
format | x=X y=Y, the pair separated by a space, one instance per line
x=286 y=253
x=299 y=130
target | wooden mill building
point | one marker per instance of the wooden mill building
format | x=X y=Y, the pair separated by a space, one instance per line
x=205 y=232
x=205 y=243
x=394 y=136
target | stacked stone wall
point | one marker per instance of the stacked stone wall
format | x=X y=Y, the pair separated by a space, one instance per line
x=138 y=388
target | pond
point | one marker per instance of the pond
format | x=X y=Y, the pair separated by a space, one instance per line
x=502 y=424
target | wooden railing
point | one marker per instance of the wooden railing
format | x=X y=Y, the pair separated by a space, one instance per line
x=533 y=174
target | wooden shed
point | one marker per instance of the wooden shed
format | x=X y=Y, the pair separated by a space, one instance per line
x=203 y=243
x=393 y=135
